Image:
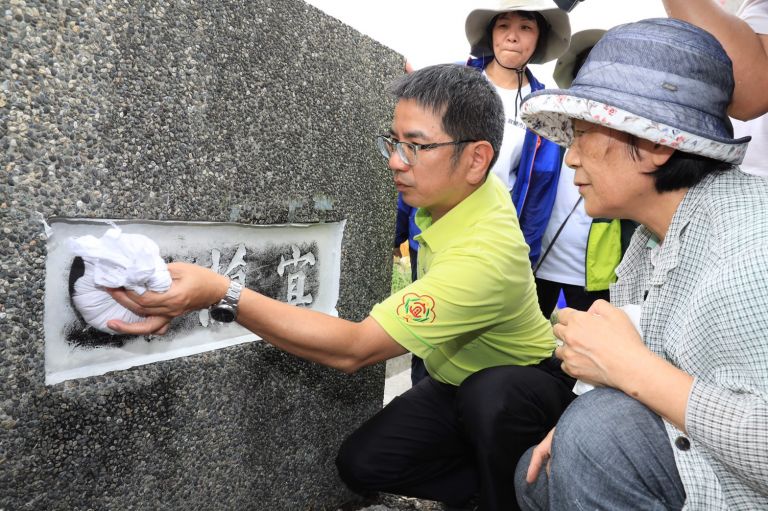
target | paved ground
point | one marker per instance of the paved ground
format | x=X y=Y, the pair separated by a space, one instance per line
x=386 y=502
x=399 y=382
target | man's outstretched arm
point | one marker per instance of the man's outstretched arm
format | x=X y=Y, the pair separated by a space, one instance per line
x=334 y=342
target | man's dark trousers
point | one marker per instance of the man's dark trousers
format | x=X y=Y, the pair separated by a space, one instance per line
x=452 y=444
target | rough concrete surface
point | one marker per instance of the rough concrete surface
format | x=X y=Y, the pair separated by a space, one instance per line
x=246 y=111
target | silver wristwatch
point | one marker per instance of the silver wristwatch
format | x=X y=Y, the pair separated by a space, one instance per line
x=226 y=310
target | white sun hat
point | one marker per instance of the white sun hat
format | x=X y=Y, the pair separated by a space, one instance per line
x=558 y=34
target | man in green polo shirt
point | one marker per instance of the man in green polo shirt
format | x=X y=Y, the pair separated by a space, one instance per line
x=474 y=304
x=494 y=389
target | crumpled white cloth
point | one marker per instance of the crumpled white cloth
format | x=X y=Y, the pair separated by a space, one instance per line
x=116 y=259
x=633 y=311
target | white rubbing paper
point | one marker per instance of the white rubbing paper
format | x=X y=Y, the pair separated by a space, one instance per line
x=271 y=259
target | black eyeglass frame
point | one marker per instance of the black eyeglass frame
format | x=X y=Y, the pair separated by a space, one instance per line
x=382 y=140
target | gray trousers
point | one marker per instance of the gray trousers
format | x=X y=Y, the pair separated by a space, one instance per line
x=609 y=452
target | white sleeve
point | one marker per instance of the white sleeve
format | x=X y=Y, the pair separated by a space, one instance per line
x=755 y=13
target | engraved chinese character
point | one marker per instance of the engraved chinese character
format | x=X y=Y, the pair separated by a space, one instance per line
x=297 y=278
x=235 y=270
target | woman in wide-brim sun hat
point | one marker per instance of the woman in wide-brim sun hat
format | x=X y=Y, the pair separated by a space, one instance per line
x=678 y=416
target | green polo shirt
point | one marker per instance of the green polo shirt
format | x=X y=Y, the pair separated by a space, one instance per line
x=474 y=304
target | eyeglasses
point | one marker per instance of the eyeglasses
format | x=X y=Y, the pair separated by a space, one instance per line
x=407 y=151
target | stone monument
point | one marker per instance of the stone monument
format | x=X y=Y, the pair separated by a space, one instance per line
x=232 y=112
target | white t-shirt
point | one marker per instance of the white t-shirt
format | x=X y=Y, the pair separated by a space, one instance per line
x=565 y=263
x=514 y=136
x=755 y=13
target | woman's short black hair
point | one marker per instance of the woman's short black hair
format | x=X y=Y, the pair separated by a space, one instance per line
x=681 y=170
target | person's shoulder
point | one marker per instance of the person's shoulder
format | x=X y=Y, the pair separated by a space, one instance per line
x=496 y=245
x=732 y=191
x=737 y=206
x=534 y=82
x=498 y=226
x=475 y=63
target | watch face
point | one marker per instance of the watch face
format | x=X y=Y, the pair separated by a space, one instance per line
x=223 y=314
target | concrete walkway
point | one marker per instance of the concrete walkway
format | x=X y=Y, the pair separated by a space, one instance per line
x=398 y=377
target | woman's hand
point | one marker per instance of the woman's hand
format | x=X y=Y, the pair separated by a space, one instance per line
x=598 y=345
x=193 y=288
x=542 y=453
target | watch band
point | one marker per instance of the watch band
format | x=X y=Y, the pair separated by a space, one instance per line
x=225 y=310
x=232 y=297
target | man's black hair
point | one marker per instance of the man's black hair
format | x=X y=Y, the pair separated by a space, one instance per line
x=468 y=104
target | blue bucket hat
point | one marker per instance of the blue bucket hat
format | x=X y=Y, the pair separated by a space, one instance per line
x=662 y=80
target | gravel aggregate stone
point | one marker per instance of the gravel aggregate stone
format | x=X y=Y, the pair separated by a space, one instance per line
x=251 y=111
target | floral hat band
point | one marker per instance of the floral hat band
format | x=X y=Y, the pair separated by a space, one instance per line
x=550 y=116
x=661 y=80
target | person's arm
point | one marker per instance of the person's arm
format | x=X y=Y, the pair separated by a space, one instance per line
x=748 y=51
x=603 y=347
x=723 y=406
x=728 y=406
x=334 y=342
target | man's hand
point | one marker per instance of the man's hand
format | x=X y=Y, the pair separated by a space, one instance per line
x=193 y=288
x=598 y=345
x=542 y=453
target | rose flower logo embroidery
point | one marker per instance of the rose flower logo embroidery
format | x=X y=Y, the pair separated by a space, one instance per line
x=417 y=309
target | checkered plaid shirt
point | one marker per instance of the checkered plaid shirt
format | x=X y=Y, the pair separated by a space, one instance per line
x=705 y=309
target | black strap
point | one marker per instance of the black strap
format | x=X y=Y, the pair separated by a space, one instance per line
x=559 y=230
